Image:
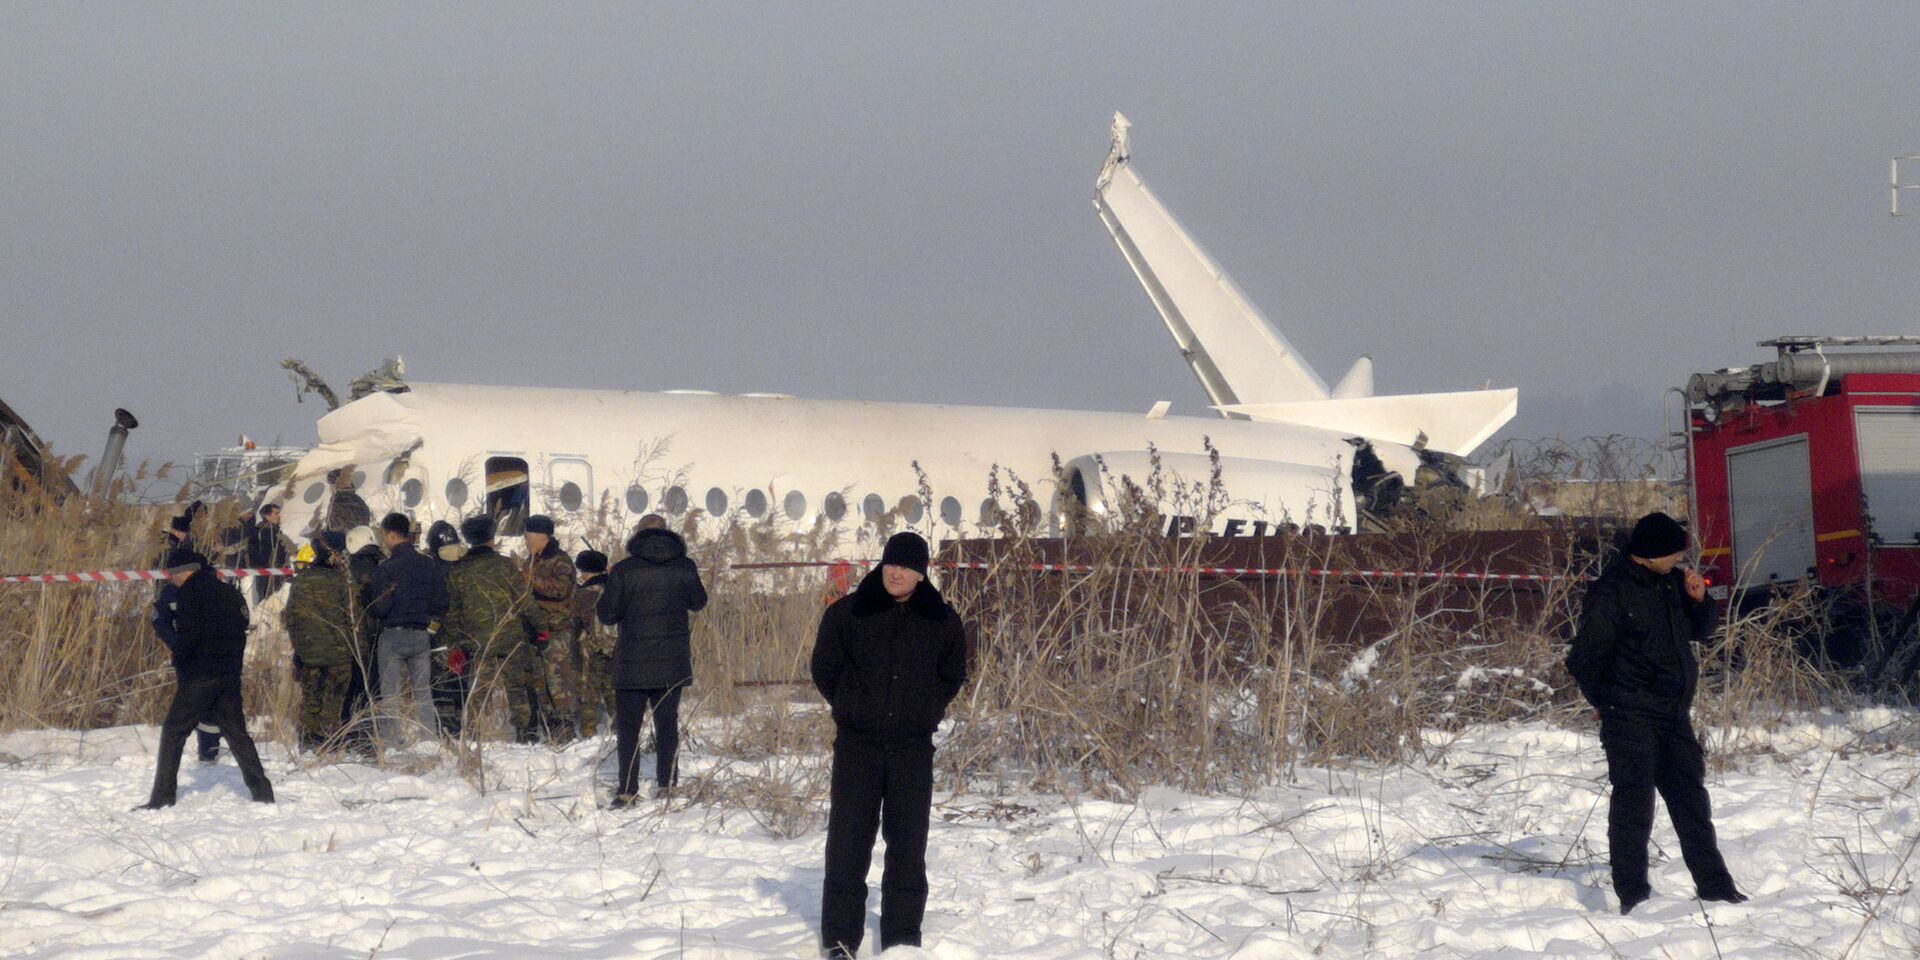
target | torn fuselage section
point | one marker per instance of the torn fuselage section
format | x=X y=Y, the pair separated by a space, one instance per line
x=1391 y=482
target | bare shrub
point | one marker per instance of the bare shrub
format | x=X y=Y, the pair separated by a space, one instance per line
x=1136 y=669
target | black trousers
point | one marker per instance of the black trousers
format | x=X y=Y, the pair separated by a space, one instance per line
x=886 y=787
x=630 y=707
x=192 y=699
x=206 y=735
x=1645 y=756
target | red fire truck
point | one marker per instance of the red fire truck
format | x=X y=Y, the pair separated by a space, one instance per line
x=1809 y=466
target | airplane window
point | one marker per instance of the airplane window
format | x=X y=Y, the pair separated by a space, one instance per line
x=989 y=515
x=674 y=501
x=835 y=507
x=412 y=491
x=873 y=506
x=950 y=511
x=570 y=496
x=716 y=502
x=1030 y=513
x=636 y=499
x=796 y=504
x=457 y=492
x=911 y=509
x=314 y=492
x=756 y=503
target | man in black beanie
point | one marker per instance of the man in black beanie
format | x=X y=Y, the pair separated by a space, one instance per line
x=165 y=622
x=595 y=640
x=212 y=620
x=1633 y=659
x=889 y=658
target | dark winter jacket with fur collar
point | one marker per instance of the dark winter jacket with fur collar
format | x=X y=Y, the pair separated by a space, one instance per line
x=889 y=668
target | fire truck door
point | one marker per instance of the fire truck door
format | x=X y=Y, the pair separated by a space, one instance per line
x=1771 y=488
x=1890 y=470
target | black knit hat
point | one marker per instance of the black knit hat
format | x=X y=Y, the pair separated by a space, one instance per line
x=181 y=524
x=906 y=550
x=590 y=561
x=477 y=530
x=540 y=523
x=182 y=559
x=441 y=534
x=397 y=523
x=1657 y=535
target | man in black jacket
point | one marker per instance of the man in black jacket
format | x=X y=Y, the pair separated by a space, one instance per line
x=648 y=596
x=408 y=596
x=889 y=658
x=212 y=620
x=1633 y=659
x=256 y=542
x=166 y=621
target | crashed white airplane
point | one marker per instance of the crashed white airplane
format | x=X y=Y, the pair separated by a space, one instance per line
x=1291 y=447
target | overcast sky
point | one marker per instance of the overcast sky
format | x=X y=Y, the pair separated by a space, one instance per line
x=1585 y=201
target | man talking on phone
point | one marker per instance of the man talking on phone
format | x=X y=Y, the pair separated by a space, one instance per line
x=1633 y=659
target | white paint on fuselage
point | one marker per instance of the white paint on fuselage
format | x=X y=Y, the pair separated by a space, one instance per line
x=736 y=444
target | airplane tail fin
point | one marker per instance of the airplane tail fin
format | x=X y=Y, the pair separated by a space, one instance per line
x=1235 y=351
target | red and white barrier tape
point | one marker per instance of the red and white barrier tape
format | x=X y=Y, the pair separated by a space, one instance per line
x=117 y=576
x=1210 y=571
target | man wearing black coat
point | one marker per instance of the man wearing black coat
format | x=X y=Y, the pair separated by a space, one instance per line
x=889 y=658
x=408 y=595
x=256 y=542
x=166 y=621
x=212 y=620
x=1633 y=659
x=648 y=596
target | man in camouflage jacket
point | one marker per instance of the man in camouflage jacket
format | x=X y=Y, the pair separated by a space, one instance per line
x=550 y=580
x=595 y=642
x=490 y=617
x=319 y=617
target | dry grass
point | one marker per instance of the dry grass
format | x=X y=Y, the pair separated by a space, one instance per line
x=1105 y=682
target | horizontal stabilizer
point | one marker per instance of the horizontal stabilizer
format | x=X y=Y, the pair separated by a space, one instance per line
x=1453 y=423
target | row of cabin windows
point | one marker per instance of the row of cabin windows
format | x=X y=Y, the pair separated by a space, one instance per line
x=508 y=495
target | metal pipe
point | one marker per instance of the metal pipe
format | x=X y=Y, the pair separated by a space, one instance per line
x=1807 y=369
x=110 y=459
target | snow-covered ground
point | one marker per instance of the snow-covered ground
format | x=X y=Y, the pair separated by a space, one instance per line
x=1495 y=849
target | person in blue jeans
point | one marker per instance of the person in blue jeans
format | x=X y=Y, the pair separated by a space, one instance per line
x=409 y=597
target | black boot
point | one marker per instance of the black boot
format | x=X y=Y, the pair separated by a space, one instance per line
x=1727 y=894
x=1633 y=899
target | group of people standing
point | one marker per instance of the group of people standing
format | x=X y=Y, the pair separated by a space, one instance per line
x=556 y=637
x=889 y=658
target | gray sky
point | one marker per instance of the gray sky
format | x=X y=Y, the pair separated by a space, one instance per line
x=1584 y=201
